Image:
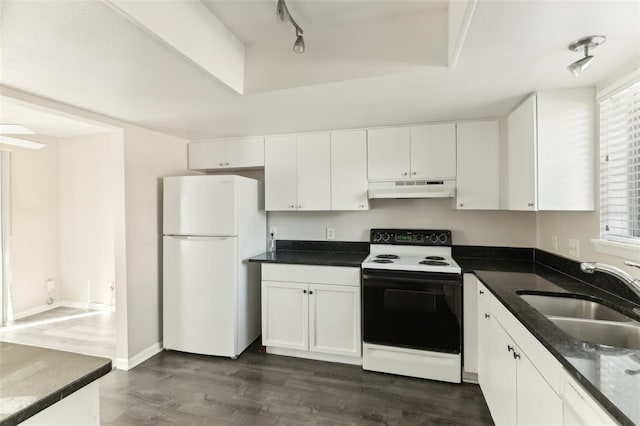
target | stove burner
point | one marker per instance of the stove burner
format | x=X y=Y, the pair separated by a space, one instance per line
x=387 y=256
x=434 y=263
x=382 y=261
x=434 y=258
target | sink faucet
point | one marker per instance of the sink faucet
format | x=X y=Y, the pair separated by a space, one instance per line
x=625 y=277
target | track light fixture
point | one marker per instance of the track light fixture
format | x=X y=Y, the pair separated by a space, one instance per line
x=588 y=42
x=285 y=16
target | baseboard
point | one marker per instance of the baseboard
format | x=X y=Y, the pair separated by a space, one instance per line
x=343 y=359
x=85 y=305
x=139 y=358
x=36 y=310
x=470 y=377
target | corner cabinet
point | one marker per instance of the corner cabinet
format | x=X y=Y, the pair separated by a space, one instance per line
x=412 y=152
x=551 y=152
x=312 y=312
x=478 y=164
x=244 y=153
x=298 y=172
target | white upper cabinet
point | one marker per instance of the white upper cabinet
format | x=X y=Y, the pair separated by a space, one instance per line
x=412 y=152
x=244 y=153
x=314 y=171
x=389 y=153
x=349 y=170
x=280 y=189
x=297 y=172
x=433 y=151
x=551 y=152
x=477 y=184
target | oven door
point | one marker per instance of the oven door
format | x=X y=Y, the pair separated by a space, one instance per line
x=418 y=310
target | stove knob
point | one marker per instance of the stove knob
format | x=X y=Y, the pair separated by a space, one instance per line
x=419 y=237
x=434 y=238
x=443 y=238
x=377 y=237
x=385 y=237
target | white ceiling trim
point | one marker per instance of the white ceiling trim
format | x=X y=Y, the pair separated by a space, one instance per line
x=194 y=32
x=460 y=14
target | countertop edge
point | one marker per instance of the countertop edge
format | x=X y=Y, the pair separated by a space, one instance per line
x=56 y=396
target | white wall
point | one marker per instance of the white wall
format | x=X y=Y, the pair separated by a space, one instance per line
x=34 y=230
x=493 y=228
x=86 y=217
x=149 y=156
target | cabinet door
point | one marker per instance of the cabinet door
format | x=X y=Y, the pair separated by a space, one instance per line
x=246 y=152
x=207 y=155
x=314 y=171
x=349 y=170
x=285 y=315
x=537 y=403
x=280 y=173
x=484 y=331
x=522 y=157
x=433 y=151
x=334 y=319
x=388 y=153
x=500 y=386
x=477 y=181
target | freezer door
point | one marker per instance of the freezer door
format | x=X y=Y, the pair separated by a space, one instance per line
x=200 y=294
x=199 y=205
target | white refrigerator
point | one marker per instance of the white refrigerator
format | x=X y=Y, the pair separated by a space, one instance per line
x=211 y=294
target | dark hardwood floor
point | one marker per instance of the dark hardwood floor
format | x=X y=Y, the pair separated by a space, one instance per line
x=260 y=389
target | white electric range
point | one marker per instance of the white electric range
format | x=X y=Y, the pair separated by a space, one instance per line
x=412 y=305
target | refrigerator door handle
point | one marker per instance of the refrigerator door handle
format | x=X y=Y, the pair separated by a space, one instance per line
x=195 y=238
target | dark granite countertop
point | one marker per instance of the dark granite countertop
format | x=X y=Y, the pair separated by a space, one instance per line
x=324 y=253
x=34 y=378
x=602 y=370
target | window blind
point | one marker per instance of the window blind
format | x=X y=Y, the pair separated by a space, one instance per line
x=620 y=165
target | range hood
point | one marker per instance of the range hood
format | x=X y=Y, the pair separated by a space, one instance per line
x=440 y=188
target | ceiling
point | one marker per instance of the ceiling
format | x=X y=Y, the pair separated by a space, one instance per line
x=368 y=63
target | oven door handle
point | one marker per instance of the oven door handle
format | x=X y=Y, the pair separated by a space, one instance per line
x=378 y=281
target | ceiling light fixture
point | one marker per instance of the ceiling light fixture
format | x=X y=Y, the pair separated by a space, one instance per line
x=22 y=143
x=588 y=42
x=285 y=16
x=15 y=129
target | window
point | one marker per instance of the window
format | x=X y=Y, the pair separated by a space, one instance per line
x=620 y=165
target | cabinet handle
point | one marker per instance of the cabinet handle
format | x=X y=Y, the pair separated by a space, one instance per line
x=292 y=206
x=414 y=173
x=481 y=291
x=304 y=291
x=299 y=206
x=530 y=205
x=220 y=164
x=361 y=206
x=405 y=174
x=510 y=348
x=487 y=316
x=226 y=164
x=310 y=291
x=461 y=205
x=516 y=355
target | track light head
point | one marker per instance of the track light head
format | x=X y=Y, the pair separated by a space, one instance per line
x=284 y=16
x=586 y=43
x=298 y=46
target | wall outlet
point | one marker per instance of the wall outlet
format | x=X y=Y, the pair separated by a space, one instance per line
x=554 y=242
x=272 y=232
x=574 y=247
x=331 y=234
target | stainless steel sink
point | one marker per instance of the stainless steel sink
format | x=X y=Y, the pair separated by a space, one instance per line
x=619 y=335
x=573 y=308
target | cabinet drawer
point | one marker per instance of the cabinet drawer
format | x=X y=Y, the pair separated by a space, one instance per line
x=540 y=357
x=337 y=275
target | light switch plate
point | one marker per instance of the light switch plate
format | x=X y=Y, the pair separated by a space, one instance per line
x=574 y=247
x=331 y=234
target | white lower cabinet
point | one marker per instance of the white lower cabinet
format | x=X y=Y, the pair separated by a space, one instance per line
x=516 y=391
x=312 y=312
x=580 y=409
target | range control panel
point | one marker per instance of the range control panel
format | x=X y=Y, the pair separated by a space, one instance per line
x=414 y=237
